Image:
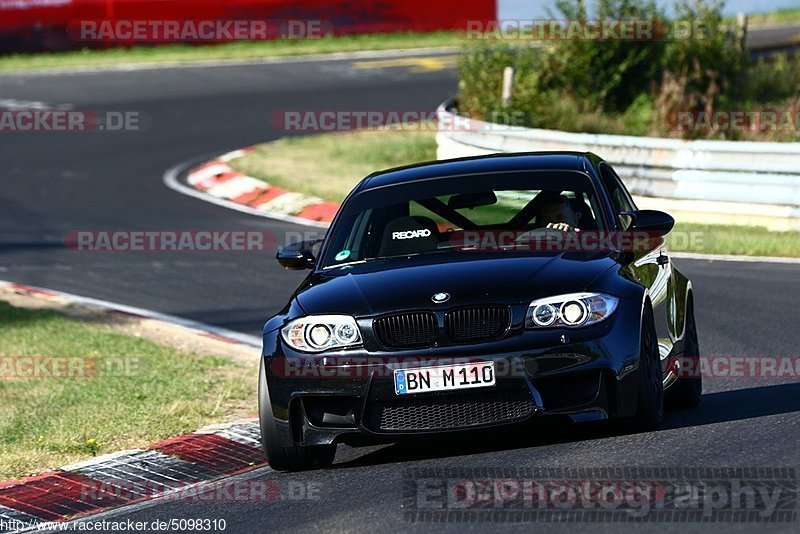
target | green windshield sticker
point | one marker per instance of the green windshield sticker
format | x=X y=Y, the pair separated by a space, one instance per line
x=343 y=255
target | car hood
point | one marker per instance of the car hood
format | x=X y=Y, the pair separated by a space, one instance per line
x=384 y=286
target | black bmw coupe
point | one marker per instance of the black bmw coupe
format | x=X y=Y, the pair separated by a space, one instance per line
x=460 y=295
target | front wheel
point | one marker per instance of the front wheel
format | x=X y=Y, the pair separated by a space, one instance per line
x=650 y=399
x=280 y=458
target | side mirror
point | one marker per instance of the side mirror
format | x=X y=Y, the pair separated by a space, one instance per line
x=297 y=256
x=656 y=223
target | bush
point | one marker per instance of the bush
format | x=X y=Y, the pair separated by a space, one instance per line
x=629 y=87
x=604 y=74
x=481 y=82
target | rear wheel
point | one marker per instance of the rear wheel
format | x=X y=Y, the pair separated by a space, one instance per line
x=650 y=402
x=280 y=458
x=687 y=390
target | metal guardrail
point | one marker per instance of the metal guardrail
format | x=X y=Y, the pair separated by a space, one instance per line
x=716 y=171
x=778 y=38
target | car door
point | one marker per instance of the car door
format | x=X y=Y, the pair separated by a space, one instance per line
x=650 y=267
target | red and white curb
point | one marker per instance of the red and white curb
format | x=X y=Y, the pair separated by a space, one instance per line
x=218 y=180
x=126 y=477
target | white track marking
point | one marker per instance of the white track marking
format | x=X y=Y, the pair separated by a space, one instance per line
x=188 y=324
x=172 y=182
x=13 y=104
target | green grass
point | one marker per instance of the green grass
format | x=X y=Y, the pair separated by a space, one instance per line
x=780 y=16
x=330 y=165
x=228 y=51
x=49 y=422
x=736 y=240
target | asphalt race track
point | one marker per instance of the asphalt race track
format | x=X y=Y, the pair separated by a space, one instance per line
x=54 y=183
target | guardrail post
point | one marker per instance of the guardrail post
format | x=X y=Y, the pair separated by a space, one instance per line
x=741 y=31
x=508 y=85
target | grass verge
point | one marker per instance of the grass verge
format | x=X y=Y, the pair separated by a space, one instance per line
x=228 y=51
x=120 y=391
x=734 y=240
x=330 y=165
x=787 y=15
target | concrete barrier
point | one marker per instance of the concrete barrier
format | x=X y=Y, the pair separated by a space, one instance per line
x=733 y=182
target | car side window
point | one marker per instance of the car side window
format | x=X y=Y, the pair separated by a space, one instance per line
x=619 y=196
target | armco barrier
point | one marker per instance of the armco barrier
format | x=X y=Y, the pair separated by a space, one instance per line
x=711 y=181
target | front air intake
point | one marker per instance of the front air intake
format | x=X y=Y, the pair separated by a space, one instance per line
x=477 y=325
x=406 y=330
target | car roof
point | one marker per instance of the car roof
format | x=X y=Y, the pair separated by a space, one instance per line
x=564 y=161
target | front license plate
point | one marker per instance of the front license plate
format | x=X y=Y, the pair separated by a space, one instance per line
x=444 y=378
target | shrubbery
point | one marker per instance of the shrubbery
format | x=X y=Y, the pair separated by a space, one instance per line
x=627 y=86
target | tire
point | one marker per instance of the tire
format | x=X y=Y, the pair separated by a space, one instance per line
x=650 y=398
x=280 y=458
x=688 y=390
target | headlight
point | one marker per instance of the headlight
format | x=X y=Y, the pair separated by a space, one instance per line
x=318 y=333
x=573 y=310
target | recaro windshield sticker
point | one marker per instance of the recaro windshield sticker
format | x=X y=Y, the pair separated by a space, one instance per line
x=411 y=234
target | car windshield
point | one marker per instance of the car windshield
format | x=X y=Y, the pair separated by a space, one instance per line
x=431 y=216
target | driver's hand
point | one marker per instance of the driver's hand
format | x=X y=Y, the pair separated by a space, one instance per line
x=564 y=227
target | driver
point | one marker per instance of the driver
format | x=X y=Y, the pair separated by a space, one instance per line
x=557 y=213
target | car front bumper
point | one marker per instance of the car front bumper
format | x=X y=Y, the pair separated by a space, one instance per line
x=584 y=374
